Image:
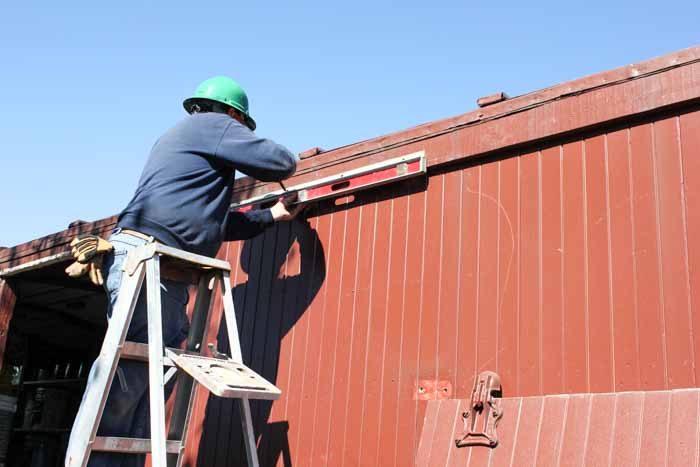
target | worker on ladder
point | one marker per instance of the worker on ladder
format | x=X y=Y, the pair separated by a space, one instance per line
x=182 y=200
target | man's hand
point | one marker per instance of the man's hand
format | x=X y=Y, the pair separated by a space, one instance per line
x=281 y=210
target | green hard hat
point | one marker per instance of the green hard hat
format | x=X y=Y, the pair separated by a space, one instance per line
x=225 y=90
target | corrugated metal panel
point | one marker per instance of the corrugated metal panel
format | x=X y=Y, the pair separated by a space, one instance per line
x=565 y=269
x=615 y=429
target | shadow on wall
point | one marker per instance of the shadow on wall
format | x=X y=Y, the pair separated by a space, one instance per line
x=286 y=267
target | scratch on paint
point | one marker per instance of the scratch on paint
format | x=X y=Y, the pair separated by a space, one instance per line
x=512 y=240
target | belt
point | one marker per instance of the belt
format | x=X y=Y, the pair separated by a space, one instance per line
x=148 y=238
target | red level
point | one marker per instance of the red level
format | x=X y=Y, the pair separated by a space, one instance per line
x=363 y=178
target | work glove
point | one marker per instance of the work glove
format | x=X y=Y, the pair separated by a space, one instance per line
x=93 y=269
x=88 y=251
x=85 y=247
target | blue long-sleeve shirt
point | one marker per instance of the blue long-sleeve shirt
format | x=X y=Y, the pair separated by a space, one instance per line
x=184 y=193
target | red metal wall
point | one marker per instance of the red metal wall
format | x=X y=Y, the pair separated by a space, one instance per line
x=565 y=268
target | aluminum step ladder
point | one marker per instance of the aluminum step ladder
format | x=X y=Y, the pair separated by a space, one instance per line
x=224 y=377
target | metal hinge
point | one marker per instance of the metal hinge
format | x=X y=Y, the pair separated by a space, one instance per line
x=484 y=412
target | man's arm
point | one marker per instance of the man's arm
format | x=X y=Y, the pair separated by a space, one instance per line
x=260 y=158
x=245 y=225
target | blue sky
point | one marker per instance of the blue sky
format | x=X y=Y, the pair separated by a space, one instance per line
x=87 y=87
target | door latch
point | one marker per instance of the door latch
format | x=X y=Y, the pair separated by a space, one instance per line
x=484 y=412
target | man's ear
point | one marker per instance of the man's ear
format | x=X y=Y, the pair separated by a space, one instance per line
x=236 y=115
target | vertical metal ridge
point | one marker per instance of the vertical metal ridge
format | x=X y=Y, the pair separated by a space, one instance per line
x=561 y=266
x=337 y=326
x=416 y=422
x=684 y=217
x=539 y=429
x=386 y=322
x=520 y=252
x=612 y=432
x=641 y=429
x=585 y=265
x=560 y=443
x=352 y=333
x=329 y=255
x=438 y=311
x=589 y=397
x=403 y=314
x=369 y=327
x=540 y=340
x=292 y=337
x=266 y=276
x=633 y=243
x=611 y=296
x=659 y=252
x=439 y=404
x=668 y=427
x=261 y=283
x=248 y=292
x=498 y=267
x=516 y=432
x=455 y=423
x=478 y=274
x=291 y=350
x=459 y=274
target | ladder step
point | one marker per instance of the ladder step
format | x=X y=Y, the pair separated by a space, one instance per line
x=131 y=445
x=226 y=378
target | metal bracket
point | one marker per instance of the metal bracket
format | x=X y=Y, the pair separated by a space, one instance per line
x=484 y=412
x=215 y=353
x=137 y=256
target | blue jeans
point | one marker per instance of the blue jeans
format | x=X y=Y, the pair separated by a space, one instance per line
x=127 y=411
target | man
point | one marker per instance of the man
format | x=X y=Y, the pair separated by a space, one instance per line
x=182 y=200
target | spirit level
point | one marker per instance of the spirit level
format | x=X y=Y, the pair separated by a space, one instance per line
x=354 y=180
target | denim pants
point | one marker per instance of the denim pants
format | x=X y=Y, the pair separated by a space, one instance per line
x=127 y=411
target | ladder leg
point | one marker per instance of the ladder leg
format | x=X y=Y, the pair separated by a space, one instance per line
x=230 y=314
x=248 y=434
x=96 y=393
x=155 y=363
x=186 y=385
x=236 y=356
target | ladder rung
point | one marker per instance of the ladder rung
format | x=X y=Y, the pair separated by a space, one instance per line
x=200 y=261
x=130 y=445
x=139 y=352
